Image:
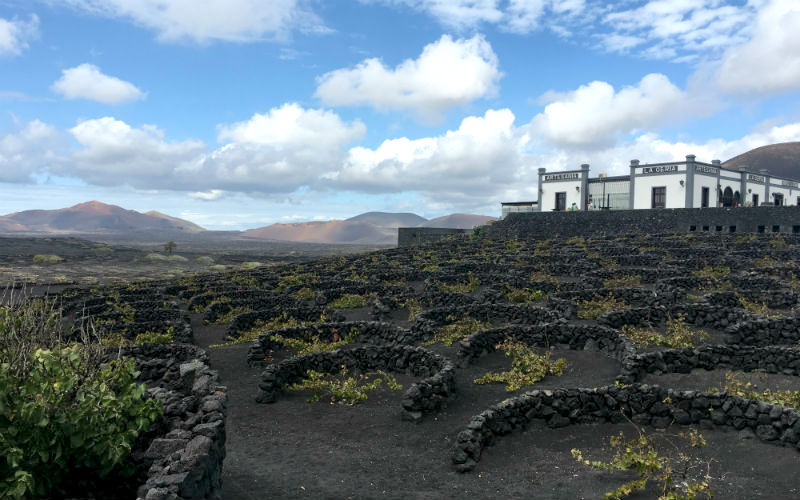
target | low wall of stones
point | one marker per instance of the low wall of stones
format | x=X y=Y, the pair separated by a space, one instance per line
x=575 y=337
x=773 y=359
x=367 y=332
x=259 y=302
x=636 y=297
x=412 y=236
x=676 y=220
x=427 y=321
x=424 y=396
x=185 y=461
x=247 y=321
x=644 y=405
x=761 y=331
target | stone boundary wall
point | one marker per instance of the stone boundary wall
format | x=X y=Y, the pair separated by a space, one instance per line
x=773 y=359
x=644 y=405
x=424 y=396
x=761 y=331
x=266 y=300
x=411 y=236
x=673 y=220
x=246 y=321
x=186 y=460
x=427 y=321
x=575 y=337
x=369 y=332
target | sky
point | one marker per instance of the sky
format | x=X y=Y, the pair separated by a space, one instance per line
x=237 y=114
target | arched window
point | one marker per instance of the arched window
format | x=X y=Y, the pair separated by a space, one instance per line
x=737 y=199
x=727 y=197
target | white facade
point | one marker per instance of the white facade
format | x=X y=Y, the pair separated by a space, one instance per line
x=688 y=184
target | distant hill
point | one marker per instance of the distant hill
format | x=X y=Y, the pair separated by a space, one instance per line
x=335 y=231
x=781 y=160
x=94 y=217
x=371 y=228
x=458 y=221
x=393 y=220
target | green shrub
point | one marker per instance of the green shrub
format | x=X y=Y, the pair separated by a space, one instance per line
x=677 y=335
x=525 y=296
x=301 y=346
x=103 y=251
x=46 y=259
x=642 y=455
x=261 y=326
x=218 y=267
x=251 y=265
x=623 y=281
x=414 y=307
x=778 y=242
x=65 y=418
x=713 y=272
x=471 y=285
x=177 y=258
x=341 y=388
x=156 y=338
x=593 y=309
x=736 y=386
x=527 y=367
x=155 y=257
x=304 y=293
x=456 y=331
x=349 y=301
x=204 y=260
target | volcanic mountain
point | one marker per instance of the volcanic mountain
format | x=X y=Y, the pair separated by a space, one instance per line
x=94 y=217
x=782 y=160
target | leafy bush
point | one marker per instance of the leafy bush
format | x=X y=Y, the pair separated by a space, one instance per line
x=343 y=389
x=778 y=242
x=177 y=258
x=304 y=293
x=204 y=260
x=46 y=259
x=677 y=335
x=527 y=367
x=471 y=285
x=713 y=272
x=414 y=307
x=156 y=338
x=218 y=267
x=753 y=307
x=525 y=296
x=301 y=346
x=261 y=326
x=251 y=265
x=66 y=419
x=623 y=281
x=349 y=301
x=593 y=309
x=456 y=331
x=736 y=386
x=641 y=455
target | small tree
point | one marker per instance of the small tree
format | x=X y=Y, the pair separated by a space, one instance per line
x=169 y=247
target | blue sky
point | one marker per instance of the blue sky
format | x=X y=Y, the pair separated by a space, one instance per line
x=239 y=113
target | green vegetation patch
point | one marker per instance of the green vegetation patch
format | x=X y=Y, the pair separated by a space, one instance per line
x=593 y=309
x=261 y=326
x=527 y=367
x=344 y=389
x=471 y=285
x=626 y=281
x=677 y=335
x=456 y=330
x=735 y=385
x=525 y=296
x=349 y=301
x=314 y=344
x=46 y=259
x=251 y=265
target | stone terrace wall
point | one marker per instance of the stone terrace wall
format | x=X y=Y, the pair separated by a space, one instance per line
x=410 y=236
x=550 y=224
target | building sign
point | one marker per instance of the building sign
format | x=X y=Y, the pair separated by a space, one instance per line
x=706 y=170
x=660 y=169
x=789 y=184
x=756 y=178
x=562 y=177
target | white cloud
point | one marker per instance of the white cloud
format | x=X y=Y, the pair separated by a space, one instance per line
x=86 y=81
x=15 y=34
x=211 y=20
x=595 y=115
x=669 y=29
x=30 y=150
x=448 y=73
x=479 y=159
x=114 y=153
x=211 y=195
x=769 y=62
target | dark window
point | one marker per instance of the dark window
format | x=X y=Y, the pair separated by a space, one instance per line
x=692 y=228
x=705 y=228
x=778 y=199
x=798 y=201
x=719 y=228
x=659 y=198
x=776 y=229
x=761 y=229
x=561 y=202
x=796 y=229
x=732 y=229
x=704 y=197
x=727 y=197
x=755 y=200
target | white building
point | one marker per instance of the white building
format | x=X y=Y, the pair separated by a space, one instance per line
x=686 y=184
